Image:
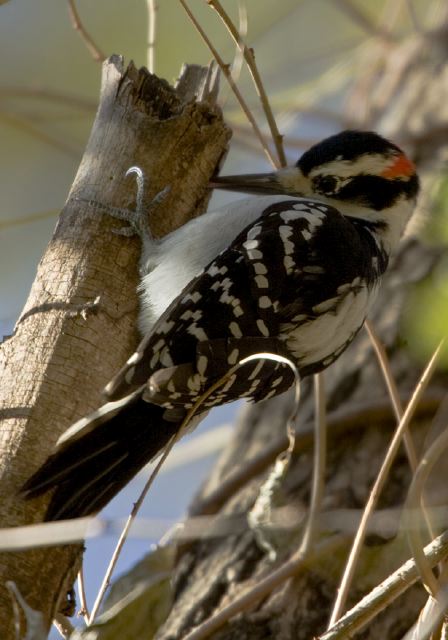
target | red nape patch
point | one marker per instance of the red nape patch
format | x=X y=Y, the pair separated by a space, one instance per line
x=401 y=167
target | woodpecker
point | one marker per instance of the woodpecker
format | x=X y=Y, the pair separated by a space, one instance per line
x=293 y=271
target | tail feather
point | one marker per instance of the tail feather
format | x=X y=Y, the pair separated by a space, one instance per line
x=88 y=471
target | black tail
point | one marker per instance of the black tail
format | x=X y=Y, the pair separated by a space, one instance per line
x=88 y=471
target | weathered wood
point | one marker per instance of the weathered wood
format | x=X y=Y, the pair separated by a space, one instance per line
x=78 y=325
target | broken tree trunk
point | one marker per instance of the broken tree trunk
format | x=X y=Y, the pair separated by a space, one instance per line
x=78 y=325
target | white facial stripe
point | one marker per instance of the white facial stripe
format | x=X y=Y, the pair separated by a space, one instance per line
x=373 y=164
x=292 y=179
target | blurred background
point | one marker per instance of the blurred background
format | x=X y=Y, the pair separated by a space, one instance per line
x=308 y=52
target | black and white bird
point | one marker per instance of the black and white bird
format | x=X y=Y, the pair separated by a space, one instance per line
x=293 y=272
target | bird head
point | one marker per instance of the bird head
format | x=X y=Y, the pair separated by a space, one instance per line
x=360 y=173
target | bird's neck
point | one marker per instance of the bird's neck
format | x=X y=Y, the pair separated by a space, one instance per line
x=386 y=226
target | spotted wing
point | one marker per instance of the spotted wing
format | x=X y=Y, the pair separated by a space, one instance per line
x=233 y=309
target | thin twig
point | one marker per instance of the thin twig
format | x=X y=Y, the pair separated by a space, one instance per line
x=378 y=486
x=152 y=31
x=413 y=16
x=33 y=217
x=77 y=25
x=225 y=70
x=84 y=611
x=411 y=519
x=385 y=593
x=363 y=20
x=319 y=464
x=338 y=422
x=63 y=625
x=249 y=57
x=41 y=93
x=390 y=383
x=124 y=534
x=390 y=14
x=191 y=413
x=265 y=586
x=238 y=58
x=261 y=512
x=23 y=124
x=392 y=389
x=398 y=409
x=432 y=618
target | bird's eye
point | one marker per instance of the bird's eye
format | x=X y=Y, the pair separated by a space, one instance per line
x=326 y=184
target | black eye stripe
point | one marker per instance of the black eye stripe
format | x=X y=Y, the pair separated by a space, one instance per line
x=376 y=192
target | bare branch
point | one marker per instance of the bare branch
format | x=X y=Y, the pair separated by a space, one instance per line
x=77 y=25
x=225 y=70
x=385 y=593
x=24 y=124
x=33 y=217
x=413 y=16
x=338 y=422
x=379 y=484
x=319 y=464
x=84 y=611
x=412 y=521
x=152 y=31
x=249 y=57
x=363 y=20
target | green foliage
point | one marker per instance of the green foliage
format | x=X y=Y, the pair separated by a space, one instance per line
x=426 y=318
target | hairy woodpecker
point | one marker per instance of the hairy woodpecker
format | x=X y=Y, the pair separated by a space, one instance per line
x=293 y=272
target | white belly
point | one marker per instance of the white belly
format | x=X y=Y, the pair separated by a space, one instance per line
x=320 y=339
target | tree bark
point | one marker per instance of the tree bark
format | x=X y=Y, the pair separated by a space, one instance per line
x=78 y=325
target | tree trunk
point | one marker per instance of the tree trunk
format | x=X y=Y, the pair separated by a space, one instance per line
x=78 y=325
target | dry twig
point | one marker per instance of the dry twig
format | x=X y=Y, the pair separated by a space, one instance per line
x=385 y=593
x=63 y=625
x=225 y=70
x=152 y=31
x=137 y=505
x=84 y=611
x=378 y=486
x=94 y=50
x=338 y=422
x=411 y=518
x=363 y=20
x=135 y=509
x=249 y=57
x=23 y=123
x=319 y=463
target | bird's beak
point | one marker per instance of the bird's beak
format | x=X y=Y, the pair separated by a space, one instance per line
x=288 y=181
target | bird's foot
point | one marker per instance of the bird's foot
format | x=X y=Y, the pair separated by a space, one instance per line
x=138 y=220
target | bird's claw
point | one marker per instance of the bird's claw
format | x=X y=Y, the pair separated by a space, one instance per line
x=138 y=219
